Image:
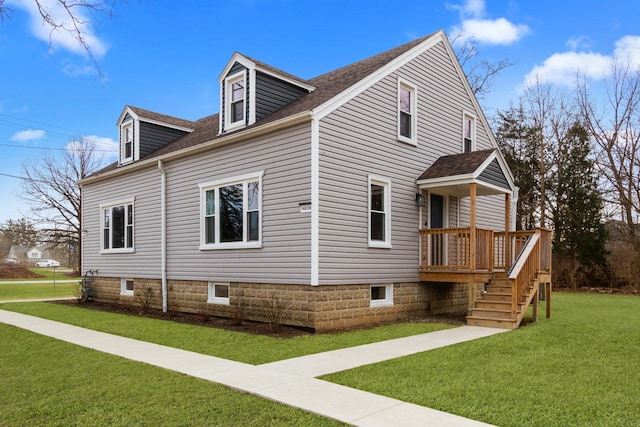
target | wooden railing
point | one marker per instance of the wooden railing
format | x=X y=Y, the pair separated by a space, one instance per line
x=534 y=258
x=450 y=249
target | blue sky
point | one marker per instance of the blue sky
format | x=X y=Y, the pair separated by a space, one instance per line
x=166 y=56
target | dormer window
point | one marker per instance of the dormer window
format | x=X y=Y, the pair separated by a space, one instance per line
x=127 y=142
x=236 y=96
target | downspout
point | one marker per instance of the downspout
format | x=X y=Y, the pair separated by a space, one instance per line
x=163 y=232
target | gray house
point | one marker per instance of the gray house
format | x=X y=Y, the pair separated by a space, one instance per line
x=369 y=193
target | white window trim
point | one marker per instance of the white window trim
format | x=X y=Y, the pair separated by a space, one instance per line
x=123 y=287
x=474 y=122
x=211 y=185
x=228 y=82
x=387 y=301
x=123 y=134
x=414 y=112
x=103 y=206
x=211 y=294
x=386 y=183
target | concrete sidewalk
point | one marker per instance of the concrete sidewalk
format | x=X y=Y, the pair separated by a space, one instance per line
x=291 y=382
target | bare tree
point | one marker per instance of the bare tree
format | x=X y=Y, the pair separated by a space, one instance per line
x=50 y=187
x=69 y=16
x=480 y=73
x=614 y=126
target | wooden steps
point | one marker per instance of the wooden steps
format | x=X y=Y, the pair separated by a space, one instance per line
x=493 y=308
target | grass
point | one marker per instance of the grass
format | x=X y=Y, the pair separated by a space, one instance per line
x=46 y=382
x=10 y=292
x=578 y=368
x=32 y=289
x=236 y=346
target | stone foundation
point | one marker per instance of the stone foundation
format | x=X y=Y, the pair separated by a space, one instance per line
x=320 y=308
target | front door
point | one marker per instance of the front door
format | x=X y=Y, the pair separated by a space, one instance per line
x=436 y=220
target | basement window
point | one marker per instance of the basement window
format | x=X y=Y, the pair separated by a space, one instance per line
x=381 y=295
x=126 y=287
x=218 y=293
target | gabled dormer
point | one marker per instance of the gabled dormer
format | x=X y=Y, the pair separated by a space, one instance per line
x=141 y=132
x=250 y=90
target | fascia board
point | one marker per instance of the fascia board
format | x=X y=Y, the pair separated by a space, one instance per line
x=126 y=110
x=164 y=124
x=236 y=57
x=332 y=104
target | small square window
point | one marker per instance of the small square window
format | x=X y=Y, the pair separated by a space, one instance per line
x=381 y=295
x=126 y=287
x=218 y=293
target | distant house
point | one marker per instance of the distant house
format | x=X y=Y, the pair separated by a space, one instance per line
x=28 y=255
x=369 y=193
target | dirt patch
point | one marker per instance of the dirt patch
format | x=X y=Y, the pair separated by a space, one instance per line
x=246 y=326
x=17 y=272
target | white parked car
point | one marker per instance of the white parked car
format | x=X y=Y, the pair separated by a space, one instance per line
x=48 y=263
x=9 y=261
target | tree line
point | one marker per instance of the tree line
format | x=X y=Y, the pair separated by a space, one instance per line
x=575 y=158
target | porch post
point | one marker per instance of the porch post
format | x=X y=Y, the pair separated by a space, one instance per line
x=472 y=225
x=507 y=225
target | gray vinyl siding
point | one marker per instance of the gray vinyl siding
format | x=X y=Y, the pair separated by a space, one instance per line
x=153 y=137
x=144 y=186
x=493 y=175
x=273 y=94
x=285 y=254
x=360 y=138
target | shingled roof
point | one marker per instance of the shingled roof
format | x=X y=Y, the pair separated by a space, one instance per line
x=327 y=86
x=456 y=165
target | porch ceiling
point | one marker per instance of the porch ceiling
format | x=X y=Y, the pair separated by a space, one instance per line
x=453 y=174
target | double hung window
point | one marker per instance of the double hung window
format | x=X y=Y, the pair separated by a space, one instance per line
x=407 y=112
x=127 y=143
x=379 y=212
x=468 y=133
x=235 y=95
x=231 y=212
x=117 y=227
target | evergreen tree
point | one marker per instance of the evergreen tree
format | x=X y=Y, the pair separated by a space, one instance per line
x=579 y=234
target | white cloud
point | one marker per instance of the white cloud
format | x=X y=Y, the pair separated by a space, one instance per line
x=473 y=8
x=563 y=68
x=628 y=48
x=493 y=31
x=58 y=37
x=28 y=135
x=106 y=147
x=487 y=31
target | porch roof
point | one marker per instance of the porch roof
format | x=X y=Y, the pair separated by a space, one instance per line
x=454 y=173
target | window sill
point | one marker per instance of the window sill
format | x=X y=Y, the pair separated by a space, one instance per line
x=409 y=141
x=231 y=245
x=126 y=293
x=219 y=301
x=117 y=251
x=383 y=245
x=381 y=303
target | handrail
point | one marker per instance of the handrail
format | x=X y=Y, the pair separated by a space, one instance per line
x=524 y=270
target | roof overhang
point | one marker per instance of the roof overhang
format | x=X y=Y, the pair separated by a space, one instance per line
x=453 y=175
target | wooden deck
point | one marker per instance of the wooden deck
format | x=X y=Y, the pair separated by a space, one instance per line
x=513 y=264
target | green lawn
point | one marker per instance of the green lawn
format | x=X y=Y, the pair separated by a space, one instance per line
x=216 y=342
x=579 y=368
x=36 y=290
x=31 y=289
x=45 y=382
